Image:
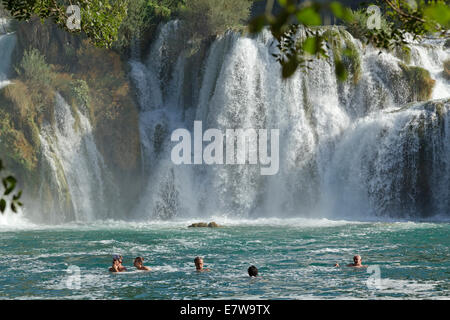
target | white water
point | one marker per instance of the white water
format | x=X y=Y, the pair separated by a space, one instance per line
x=343 y=152
x=76 y=166
x=7 y=45
x=347 y=151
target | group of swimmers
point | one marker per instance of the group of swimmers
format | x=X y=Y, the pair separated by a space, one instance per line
x=198 y=261
x=118 y=267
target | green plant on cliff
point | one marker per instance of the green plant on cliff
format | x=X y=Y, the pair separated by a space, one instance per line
x=80 y=91
x=205 y=18
x=34 y=68
x=9 y=184
x=345 y=54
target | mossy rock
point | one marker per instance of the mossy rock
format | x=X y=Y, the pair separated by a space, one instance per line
x=213 y=225
x=199 y=225
x=419 y=82
x=447 y=69
x=204 y=225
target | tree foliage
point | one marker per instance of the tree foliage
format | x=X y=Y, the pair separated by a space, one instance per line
x=204 y=18
x=403 y=19
x=34 y=68
x=100 y=19
x=142 y=15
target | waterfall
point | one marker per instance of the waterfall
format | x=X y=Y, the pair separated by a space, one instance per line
x=346 y=149
x=73 y=167
x=7 y=45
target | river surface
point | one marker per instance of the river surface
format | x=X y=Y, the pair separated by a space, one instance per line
x=295 y=258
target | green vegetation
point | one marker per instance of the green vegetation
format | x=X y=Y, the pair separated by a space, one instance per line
x=100 y=19
x=346 y=54
x=34 y=68
x=402 y=20
x=143 y=16
x=205 y=18
x=80 y=91
x=358 y=26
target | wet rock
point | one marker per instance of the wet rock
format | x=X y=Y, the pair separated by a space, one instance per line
x=204 y=225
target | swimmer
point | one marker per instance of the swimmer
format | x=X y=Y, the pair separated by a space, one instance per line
x=356 y=262
x=139 y=264
x=252 y=271
x=121 y=267
x=199 y=264
x=115 y=265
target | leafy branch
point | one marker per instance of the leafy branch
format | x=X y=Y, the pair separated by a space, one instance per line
x=100 y=19
x=404 y=18
x=9 y=184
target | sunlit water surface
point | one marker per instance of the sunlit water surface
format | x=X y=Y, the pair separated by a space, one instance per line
x=295 y=259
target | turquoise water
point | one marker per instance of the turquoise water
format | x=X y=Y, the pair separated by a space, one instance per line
x=295 y=259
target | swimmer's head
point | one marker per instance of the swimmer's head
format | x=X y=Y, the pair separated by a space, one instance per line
x=138 y=261
x=115 y=260
x=198 y=263
x=252 y=271
x=357 y=259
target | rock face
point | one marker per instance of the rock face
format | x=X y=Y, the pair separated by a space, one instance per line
x=94 y=84
x=205 y=225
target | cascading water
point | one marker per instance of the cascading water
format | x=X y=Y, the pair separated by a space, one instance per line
x=73 y=167
x=7 y=45
x=346 y=149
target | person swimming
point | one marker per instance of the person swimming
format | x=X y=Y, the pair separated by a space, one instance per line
x=116 y=264
x=357 y=262
x=252 y=271
x=199 y=264
x=121 y=267
x=139 y=264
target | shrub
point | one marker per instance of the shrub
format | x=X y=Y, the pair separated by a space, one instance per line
x=357 y=26
x=143 y=15
x=34 y=69
x=205 y=18
x=80 y=91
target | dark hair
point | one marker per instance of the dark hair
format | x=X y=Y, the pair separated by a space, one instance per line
x=252 y=271
x=197 y=259
x=139 y=259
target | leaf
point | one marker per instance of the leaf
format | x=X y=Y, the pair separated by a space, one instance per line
x=341 y=72
x=309 y=17
x=439 y=13
x=17 y=196
x=2 y=205
x=310 y=45
x=340 y=11
x=9 y=183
